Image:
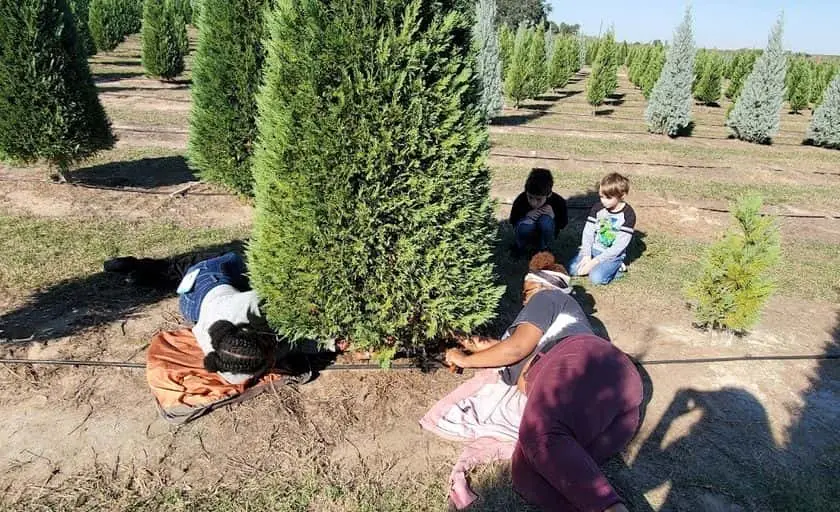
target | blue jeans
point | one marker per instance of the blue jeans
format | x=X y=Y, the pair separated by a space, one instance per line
x=541 y=232
x=602 y=273
x=225 y=269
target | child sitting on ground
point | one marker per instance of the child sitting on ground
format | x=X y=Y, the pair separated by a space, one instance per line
x=538 y=214
x=607 y=234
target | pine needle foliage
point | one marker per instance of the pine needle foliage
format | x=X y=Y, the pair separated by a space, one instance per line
x=49 y=108
x=757 y=111
x=537 y=67
x=653 y=71
x=669 y=109
x=708 y=89
x=741 y=68
x=80 y=9
x=799 y=85
x=824 y=129
x=507 y=38
x=164 y=38
x=374 y=221
x=733 y=285
x=485 y=40
x=227 y=72
x=603 y=80
x=823 y=75
x=103 y=21
x=517 y=77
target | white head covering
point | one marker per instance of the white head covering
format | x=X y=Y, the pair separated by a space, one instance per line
x=551 y=279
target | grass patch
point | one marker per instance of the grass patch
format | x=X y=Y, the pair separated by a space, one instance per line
x=689 y=187
x=39 y=252
x=151 y=118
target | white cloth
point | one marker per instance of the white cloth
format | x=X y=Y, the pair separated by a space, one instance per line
x=494 y=411
x=224 y=302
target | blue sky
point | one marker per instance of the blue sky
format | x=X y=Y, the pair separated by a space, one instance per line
x=811 y=26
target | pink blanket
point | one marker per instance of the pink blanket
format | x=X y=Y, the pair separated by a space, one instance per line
x=483 y=412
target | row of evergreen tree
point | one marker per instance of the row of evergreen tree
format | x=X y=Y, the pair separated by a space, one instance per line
x=603 y=80
x=535 y=60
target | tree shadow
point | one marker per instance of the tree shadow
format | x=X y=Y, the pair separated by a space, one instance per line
x=517 y=119
x=105 y=88
x=616 y=96
x=76 y=304
x=685 y=131
x=613 y=103
x=99 y=78
x=604 y=112
x=145 y=173
x=117 y=63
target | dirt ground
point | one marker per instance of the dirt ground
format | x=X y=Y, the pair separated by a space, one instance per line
x=757 y=432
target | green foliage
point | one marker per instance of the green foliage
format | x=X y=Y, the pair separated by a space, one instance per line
x=374 y=221
x=564 y=61
x=651 y=74
x=824 y=129
x=603 y=80
x=48 y=104
x=184 y=9
x=111 y=20
x=823 y=74
x=741 y=67
x=80 y=10
x=757 y=111
x=537 y=68
x=518 y=75
x=164 y=38
x=514 y=12
x=798 y=84
x=226 y=76
x=669 y=109
x=733 y=285
x=488 y=67
x=507 y=39
x=707 y=89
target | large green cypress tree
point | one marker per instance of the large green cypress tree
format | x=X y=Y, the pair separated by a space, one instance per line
x=824 y=129
x=740 y=71
x=507 y=37
x=733 y=285
x=669 y=110
x=485 y=40
x=80 y=10
x=226 y=76
x=799 y=84
x=563 y=63
x=164 y=39
x=707 y=89
x=755 y=117
x=823 y=77
x=653 y=71
x=374 y=221
x=49 y=108
x=612 y=59
x=517 y=76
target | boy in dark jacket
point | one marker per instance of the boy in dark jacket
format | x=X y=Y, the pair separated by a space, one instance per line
x=538 y=214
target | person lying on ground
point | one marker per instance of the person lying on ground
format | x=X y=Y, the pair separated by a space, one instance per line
x=538 y=214
x=216 y=297
x=583 y=394
x=608 y=232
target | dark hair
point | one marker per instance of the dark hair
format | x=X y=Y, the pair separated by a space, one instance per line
x=539 y=182
x=238 y=349
x=614 y=185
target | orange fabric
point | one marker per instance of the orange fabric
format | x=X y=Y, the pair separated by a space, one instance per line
x=175 y=373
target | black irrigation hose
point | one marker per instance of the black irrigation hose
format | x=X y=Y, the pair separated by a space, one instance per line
x=369 y=367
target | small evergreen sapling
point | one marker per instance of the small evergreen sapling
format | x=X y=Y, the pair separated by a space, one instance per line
x=733 y=284
x=653 y=71
x=669 y=109
x=103 y=21
x=537 y=67
x=707 y=90
x=824 y=129
x=757 y=111
x=49 y=108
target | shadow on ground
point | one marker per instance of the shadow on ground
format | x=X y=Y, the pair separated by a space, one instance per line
x=144 y=173
x=518 y=118
x=74 y=305
x=115 y=76
x=105 y=88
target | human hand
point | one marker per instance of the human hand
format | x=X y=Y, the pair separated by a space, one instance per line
x=546 y=209
x=474 y=343
x=584 y=266
x=456 y=357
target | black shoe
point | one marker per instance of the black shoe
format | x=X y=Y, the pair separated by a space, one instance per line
x=122 y=265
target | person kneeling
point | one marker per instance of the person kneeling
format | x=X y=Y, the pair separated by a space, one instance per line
x=583 y=394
